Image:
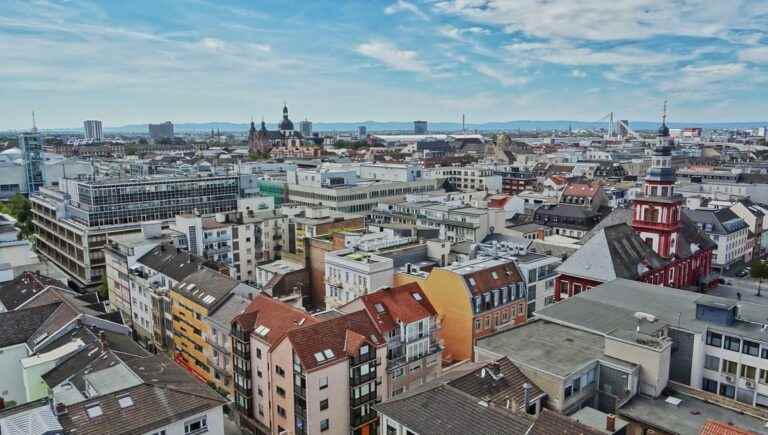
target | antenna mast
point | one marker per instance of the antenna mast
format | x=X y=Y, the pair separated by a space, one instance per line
x=34 y=123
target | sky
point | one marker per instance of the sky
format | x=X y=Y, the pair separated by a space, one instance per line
x=139 y=61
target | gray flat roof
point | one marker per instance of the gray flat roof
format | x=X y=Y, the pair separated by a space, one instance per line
x=688 y=417
x=612 y=305
x=547 y=346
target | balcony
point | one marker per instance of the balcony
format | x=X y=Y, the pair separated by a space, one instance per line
x=361 y=379
x=356 y=420
x=370 y=397
x=399 y=359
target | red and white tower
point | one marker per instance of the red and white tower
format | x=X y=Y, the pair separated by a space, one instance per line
x=656 y=212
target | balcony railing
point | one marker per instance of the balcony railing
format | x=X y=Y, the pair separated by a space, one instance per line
x=359 y=420
x=399 y=359
x=361 y=379
x=370 y=397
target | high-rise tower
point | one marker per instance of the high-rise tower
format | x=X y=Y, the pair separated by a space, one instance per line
x=656 y=212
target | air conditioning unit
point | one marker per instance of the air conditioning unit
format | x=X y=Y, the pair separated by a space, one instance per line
x=728 y=378
x=750 y=384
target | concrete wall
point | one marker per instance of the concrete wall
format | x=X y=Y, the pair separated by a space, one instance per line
x=654 y=363
x=214 y=419
x=282 y=356
x=337 y=394
x=12 y=381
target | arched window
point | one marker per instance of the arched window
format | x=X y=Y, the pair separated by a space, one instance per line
x=651 y=215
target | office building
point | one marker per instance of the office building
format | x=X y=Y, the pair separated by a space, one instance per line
x=31 y=146
x=305 y=128
x=361 y=132
x=93 y=130
x=72 y=223
x=161 y=131
x=420 y=127
x=469 y=178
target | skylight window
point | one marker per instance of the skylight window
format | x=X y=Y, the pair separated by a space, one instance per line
x=319 y=357
x=495 y=275
x=328 y=353
x=417 y=296
x=94 y=411
x=262 y=330
x=379 y=308
x=125 y=401
x=472 y=281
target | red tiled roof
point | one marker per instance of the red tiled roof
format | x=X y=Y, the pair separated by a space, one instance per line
x=581 y=190
x=399 y=306
x=506 y=274
x=332 y=335
x=278 y=316
x=713 y=427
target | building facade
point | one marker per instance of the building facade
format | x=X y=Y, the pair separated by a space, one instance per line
x=93 y=131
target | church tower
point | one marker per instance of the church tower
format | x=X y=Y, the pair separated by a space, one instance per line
x=656 y=211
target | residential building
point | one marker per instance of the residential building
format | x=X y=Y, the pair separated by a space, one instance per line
x=567 y=219
x=539 y=272
x=15 y=292
x=728 y=230
x=161 y=131
x=72 y=224
x=195 y=300
x=219 y=354
x=591 y=196
x=255 y=333
x=327 y=376
x=350 y=274
x=755 y=215
x=469 y=178
x=241 y=240
x=121 y=254
x=93 y=131
x=516 y=181
x=420 y=127
x=473 y=299
x=411 y=328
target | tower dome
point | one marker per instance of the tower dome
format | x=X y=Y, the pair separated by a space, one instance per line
x=285 y=124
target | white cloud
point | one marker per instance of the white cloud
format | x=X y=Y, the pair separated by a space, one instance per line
x=393 y=57
x=579 y=74
x=500 y=76
x=458 y=34
x=599 y=20
x=754 y=55
x=566 y=53
x=404 y=6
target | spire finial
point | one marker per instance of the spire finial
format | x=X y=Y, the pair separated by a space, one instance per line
x=34 y=123
x=664 y=114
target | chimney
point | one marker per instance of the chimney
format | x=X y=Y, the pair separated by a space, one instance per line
x=527 y=389
x=60 y=409
x=103 y=340
x=610 y=423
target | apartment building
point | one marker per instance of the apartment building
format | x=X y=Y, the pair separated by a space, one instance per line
x=72 y=223
x=539 y=273
x=754 y=215
x=241 y=240
x=411 y=328
x=327 y=376
x=455 y=221
x=727 y=230
x=308 y=222
x=199 y=345
x=121 y=254
x=473 y=298
x=468 y=178
x=350 y=273
x=255 y=333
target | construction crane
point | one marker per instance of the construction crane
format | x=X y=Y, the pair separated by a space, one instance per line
x=612 y=127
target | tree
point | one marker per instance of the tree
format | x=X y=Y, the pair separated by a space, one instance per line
x=21 y=209
x=759 y=270
x=103 y=288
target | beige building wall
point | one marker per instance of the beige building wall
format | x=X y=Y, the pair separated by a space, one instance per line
x=282 y=356
x=654 y=362
x=337 y=394
x=261 y=383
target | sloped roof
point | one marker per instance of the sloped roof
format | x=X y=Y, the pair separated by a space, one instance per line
x=582 y=190
x=723 y=221
x=391 y=306
x=551 y=423
x=446 y=410
x=168 y=260
x=20 y=289
x=712 y=427
x=278 y=316
x=206 y=287
x=19 y=326
x=332 y=335
x=613 y=252
x=497 y=390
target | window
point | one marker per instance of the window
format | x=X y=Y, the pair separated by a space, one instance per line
x=732 y=343
x=729 y=367
x=748 y=372
x=258 y=353
x=161 y=432
x=279 y=370
x=711 y=362
x=323 y=382
x=751 y=348
x=714 y=339
x=727 y=390
x=196 y=426
x=764 y=354
x=763 y=379
x=568 y=391
x=324 y=404
x=280 y=391
x=577 y=385
x=709 y=385
x=478 y=324
x=324 y=425
x=281 y=411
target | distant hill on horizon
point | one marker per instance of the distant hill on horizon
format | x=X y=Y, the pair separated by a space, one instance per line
x=399 y=126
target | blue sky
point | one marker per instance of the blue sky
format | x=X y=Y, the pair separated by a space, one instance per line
x=140 y=61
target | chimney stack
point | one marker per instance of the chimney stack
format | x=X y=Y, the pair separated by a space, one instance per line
x=527 y=389
x=60 y=409
x=103 y=340
x=610 y=423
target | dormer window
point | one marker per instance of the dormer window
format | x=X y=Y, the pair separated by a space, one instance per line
x=363 y=350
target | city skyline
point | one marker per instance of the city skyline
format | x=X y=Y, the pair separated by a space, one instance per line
x=495 y=60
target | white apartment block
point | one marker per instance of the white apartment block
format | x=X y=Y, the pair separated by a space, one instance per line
x=468 y=178
x=350 y=274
